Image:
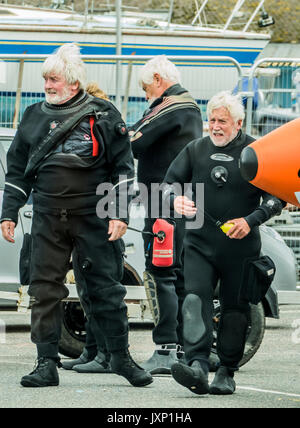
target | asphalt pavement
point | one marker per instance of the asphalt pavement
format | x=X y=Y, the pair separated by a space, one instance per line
x=271 y=379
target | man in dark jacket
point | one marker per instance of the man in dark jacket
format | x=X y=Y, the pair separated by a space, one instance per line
x=171 y=122
x=65 y=148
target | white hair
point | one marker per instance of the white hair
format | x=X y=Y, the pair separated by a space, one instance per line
x=66 y=61
x=161 y=65
x=233 y=103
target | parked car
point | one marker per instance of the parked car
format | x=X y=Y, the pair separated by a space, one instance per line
x=13 y=294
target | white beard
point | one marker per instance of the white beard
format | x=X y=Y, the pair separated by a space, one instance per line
x=224 y=141
x=54 y=98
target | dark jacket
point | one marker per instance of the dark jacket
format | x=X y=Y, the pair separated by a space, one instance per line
x=66 y=177
x=172 y=121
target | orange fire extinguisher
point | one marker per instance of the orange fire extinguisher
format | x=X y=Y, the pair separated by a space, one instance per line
x=163 y=254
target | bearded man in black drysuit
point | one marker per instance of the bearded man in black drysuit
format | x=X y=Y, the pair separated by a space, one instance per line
x=171 y=122
x=65 y=148
x=212 y=255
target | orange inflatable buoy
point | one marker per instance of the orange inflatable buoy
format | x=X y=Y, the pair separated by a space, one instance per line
x=272 y=162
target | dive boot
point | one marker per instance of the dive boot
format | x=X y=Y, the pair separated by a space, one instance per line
x=161 y=362
x=223 y=383
x=44 y=374
x=192 y=377
x=99 y=364
x=82 y=359
x=123 y=365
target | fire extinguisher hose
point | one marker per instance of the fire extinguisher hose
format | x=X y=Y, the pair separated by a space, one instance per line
x=160 y=235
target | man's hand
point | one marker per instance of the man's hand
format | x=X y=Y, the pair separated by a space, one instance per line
x=116 y=229
x=239 y=230
x=184 y=206
x=8 y=230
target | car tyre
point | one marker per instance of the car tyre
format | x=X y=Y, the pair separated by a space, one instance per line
x=254 y=339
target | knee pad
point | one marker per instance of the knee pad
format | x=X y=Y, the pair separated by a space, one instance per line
x=48 y=292
x=193 y=324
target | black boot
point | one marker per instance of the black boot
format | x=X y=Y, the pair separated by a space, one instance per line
x=192 y=377
x=223 y=383
x=44 y=374
x=82 y=359
x=123 y=365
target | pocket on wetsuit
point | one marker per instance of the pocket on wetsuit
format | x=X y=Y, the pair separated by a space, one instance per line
x=257 y=278
x=25 y=259
x=119 y=250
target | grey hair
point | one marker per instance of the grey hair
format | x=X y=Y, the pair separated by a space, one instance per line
x=161 y=65
x=66 y=61
x=233 y=103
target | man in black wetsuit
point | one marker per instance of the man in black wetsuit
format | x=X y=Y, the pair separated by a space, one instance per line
x=64 y=150
x=211 y=254
x=171 y=122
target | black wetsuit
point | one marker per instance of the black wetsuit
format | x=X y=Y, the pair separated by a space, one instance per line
x=172 y=121
x=210 y=255
x=64 y=187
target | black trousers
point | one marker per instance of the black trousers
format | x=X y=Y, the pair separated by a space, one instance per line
x=170 y=287
x=53 y=241
x=210 y=257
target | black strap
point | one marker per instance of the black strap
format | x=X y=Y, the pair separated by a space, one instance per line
x=59 y=134
x=218 y=223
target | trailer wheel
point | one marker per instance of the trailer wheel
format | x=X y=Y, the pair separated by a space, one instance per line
x=73 y=334
x=256 y=330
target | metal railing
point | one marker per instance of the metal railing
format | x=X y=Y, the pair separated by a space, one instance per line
x=278 y=102
x=200 y=75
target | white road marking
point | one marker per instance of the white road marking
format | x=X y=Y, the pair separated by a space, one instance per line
x=249 y=388
x=268 y=391
x=291 y=311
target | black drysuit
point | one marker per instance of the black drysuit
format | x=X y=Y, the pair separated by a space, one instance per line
x=210 y=255
x=171 y=122
x=64 y=180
